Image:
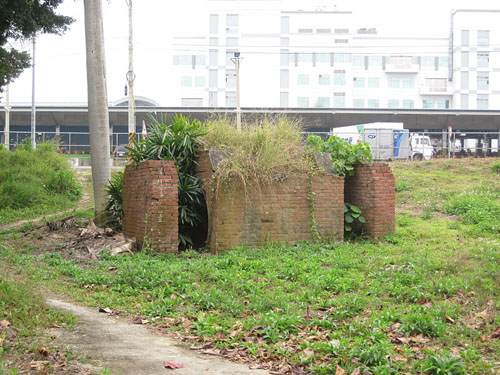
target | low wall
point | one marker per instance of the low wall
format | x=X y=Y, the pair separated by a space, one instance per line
x=279 y=212
x=372 y=189
x=150 y=204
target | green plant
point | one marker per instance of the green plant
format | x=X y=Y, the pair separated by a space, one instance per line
x=344 y=155
x=114 y=202
x=443 y=365
x=178 y=141
x=495 y=167
x=353 y=219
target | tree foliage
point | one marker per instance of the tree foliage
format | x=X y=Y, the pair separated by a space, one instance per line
x=21 y=19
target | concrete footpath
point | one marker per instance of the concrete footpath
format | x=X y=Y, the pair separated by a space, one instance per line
x=128 y=348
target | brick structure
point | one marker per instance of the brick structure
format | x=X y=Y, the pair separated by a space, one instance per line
x=279 y=212
x=150 y=204
x=372 y=189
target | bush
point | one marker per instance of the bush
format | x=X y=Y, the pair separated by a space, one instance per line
x=114 y=205
x=495 y=167
x=344 y=155
x=36 y=177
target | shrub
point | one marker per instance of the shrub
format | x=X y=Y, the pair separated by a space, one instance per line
x=38 y=177
x=443 y=365
x=344 y=155
x=114 y=205
x=495 y=167
x=177 y=141
x=353 y=219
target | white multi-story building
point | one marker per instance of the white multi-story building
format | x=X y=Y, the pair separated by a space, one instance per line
x=316 y=58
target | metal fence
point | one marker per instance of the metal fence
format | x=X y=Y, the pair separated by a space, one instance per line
x=383 y=143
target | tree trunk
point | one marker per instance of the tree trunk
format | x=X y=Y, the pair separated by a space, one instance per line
x=98 y=105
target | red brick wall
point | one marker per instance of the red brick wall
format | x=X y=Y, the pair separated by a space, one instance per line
x=372 y=189
x=150 y=204
x=277 y=213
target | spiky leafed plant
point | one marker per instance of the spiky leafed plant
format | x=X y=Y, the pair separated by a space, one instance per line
x=178 y=141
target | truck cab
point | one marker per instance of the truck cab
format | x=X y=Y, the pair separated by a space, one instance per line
x=421 y=147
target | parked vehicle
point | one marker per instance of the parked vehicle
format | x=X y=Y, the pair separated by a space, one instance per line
x=388 y=140
x=120 y=151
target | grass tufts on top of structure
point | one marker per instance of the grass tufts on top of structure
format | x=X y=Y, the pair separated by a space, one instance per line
x=260 y=152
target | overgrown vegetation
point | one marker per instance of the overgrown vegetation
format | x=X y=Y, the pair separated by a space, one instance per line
x=179 y=141
x=344 y=155
x=114 y=203
x=424 y=301
x=261 y=152
x=34 y=182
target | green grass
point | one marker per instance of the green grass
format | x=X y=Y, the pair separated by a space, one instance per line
x=407 y=305
x=35 y=182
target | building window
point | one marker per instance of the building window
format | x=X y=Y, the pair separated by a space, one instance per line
x=373 y=82
x=428 y=104
x=322 y=57
x=401 y=61
x=339 y=99
x=464 y=101
x=483 y=59
x=428 y=61
x=358 y=82
x=464 y=40
x=283 y=99
x=323 y=102
x=393 y=103
x=436 y=84
x=303 y=79
x=284 y=57
x=464 y=80
x=482 y=101
x=305 y=57
x=324 y=79
x=483 y=80
x=373 y=103
x=341 y=31
x=303 y=101
x=394 y=82
x=230 y=56
x=340 y=57
x=305 y=31
x=212 y=79
x=183 y=60
x=443 y=61
x=230 y=99
x=199 y=60
x=284 y=77
x=199 y=81
x=186 y=81
x=483 y=38
x=213 y=57
x=232 y=23
x=231 y=78
x=358 y=60
x=323 y=31
x=285 y=24
x=339 y=77
x=341 y=41
x=374 y=60
x=443 y=104
x=408 y=104
x=231 y=42
x=408 y=82
x=212 y=99
x=465 y=59
x=358 y=103
x=284 y=42
x=213 y=41
x=214 y=23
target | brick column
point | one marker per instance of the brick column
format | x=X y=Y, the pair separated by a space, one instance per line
x=150 y=204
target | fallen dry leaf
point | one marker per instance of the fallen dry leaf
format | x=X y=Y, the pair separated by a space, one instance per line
x=44 y=351
x=171 y=365
x=400 y=358
x=339 y=371
x=496 y=334
x=4 y=323
x=206 y=346
x=357 y=371
x=105 y=310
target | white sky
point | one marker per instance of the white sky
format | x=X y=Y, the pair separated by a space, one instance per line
x=60 y=60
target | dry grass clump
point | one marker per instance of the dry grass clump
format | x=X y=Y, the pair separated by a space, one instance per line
x=267 y=150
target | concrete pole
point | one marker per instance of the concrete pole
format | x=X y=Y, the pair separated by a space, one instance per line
x=98 y=105
x=236 y=61
x=33 y=108
x=6 y=131
x=130 y=76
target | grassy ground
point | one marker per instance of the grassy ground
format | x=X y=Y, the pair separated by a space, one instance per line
x=423 y=301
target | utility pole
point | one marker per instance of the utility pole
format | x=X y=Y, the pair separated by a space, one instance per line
x=130 y=77
x=237 y=60
x=6 y=132
x=33 y=109
x=98 y=106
